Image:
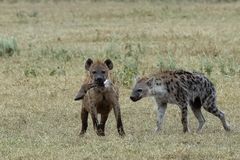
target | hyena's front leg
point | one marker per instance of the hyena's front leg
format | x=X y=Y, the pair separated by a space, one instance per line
x=161 y=109
x=84 y=118
x=101 y=129
x=117 y=114
x=94 y=118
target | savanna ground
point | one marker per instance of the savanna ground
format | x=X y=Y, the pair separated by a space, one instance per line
x=42 y=67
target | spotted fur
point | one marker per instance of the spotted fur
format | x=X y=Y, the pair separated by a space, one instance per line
x=181 y=88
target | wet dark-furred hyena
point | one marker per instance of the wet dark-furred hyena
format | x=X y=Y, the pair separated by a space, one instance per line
x=182 y=88
x=99 y=96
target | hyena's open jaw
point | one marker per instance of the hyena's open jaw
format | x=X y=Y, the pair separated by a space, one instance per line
x=135 y=98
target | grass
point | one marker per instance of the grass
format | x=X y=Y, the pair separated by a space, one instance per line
x=40 y=120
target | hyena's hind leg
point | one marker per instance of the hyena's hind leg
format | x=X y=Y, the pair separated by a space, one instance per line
x=210 y=106
x=196 y=108
x=182 y=102
x=184 y=119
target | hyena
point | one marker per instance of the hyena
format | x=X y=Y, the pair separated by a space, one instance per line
x=181 y=88
x=99 y=97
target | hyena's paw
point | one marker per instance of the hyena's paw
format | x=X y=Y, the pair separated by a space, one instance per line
x=100 y=132
x=199 y=131
x=82 y=133
x=121 y=132
x=186 y=130
x=227 y=128
x=157 y=130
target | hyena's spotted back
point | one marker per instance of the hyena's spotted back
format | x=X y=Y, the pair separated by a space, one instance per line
x=182 y=88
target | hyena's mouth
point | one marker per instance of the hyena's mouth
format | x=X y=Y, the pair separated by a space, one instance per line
x=99 y=84
x=134 y=99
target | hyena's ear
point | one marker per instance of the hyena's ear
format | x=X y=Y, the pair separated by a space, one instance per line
x=109 y=64
x=88 y=63
x=150 y=81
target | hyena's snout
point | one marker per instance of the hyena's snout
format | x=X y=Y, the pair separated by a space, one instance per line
x=99 y=80
x=135 y=96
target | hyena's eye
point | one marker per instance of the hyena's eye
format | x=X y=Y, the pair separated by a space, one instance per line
x=139 y=90
x=103 y=72
x=94 y=72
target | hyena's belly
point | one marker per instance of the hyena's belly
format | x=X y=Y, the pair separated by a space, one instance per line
x=103 y=107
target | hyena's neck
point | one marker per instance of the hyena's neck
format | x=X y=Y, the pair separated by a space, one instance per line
x=158 y=88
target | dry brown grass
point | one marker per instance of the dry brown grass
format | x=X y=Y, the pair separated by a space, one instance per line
x=40 y=120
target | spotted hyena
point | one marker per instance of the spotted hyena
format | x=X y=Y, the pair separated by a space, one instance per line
x=182 y=88
x=99 y=96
